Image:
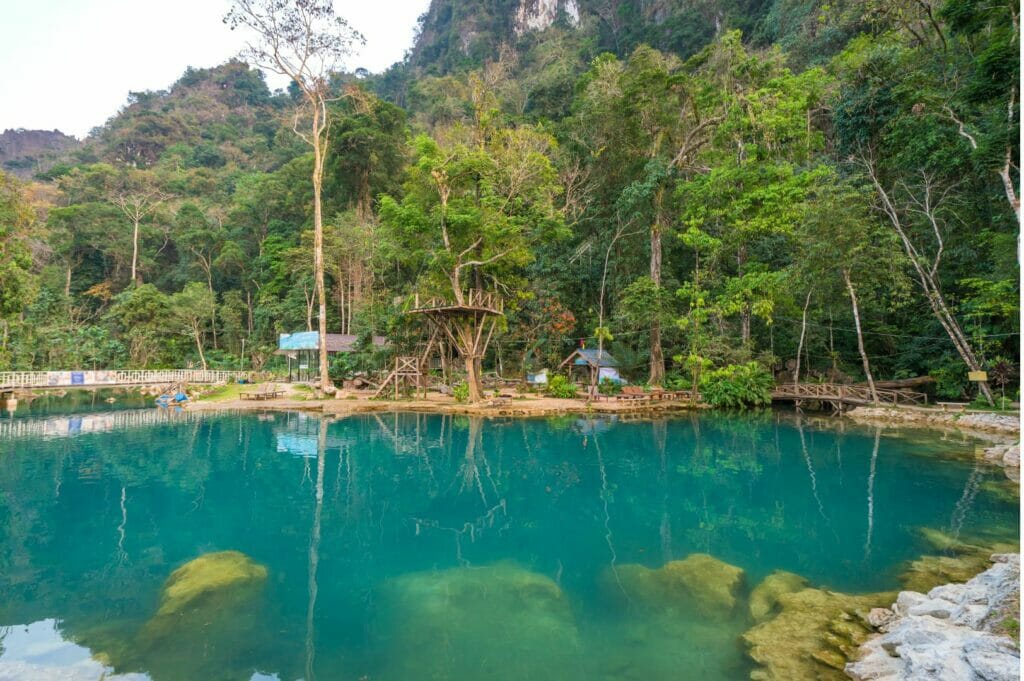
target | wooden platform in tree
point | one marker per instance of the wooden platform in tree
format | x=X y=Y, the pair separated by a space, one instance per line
x=473 y=301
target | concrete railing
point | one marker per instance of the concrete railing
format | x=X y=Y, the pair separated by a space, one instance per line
x=114 y=377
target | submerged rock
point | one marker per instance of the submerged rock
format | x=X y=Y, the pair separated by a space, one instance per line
x=1006 y=490
x=962 y=559
x=207 y=576
x=813 y=636
x=765 y=595
x=210 y=624
x=948 y=634
x=495 y=622
x=700 y=583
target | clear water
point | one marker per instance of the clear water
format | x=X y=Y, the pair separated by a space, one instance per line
x=412 y=547
x=78 y=402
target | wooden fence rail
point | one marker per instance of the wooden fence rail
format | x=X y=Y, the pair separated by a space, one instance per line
x=846 y=394
x=473 y=298
x=13 y=380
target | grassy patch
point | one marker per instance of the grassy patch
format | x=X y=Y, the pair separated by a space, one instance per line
x=301 y=392
x=1011 y=624
x=222 y=393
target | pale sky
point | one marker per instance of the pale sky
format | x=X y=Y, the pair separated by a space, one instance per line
x=69 y=64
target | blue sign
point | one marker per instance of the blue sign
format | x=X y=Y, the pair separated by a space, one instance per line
x=77 y=378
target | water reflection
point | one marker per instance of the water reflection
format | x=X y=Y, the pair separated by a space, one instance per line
x=487 y=531
x=39 y=652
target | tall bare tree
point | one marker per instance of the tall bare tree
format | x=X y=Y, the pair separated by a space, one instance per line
x=925 y=204
x=137 y=196
x=306 y=41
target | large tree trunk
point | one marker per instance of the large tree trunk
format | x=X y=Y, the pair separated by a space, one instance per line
x=213 y=311
x=318 y=252
x=135 y=251
x=657 y=373
x=860 y=337
x=199 y=345
x=745 y=312
x=803 y=334
x=745 y=325
x=476 y=391
x=471 y=335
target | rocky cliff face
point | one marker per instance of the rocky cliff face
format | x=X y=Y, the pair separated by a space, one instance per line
x=27 y=152
x=536 y=15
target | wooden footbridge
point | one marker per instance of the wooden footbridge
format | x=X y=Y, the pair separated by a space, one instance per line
x=840 y=396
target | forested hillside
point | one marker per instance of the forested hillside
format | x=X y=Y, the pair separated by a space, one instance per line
x=827 y=189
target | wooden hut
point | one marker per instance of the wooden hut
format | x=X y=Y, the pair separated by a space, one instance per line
x=593 y=365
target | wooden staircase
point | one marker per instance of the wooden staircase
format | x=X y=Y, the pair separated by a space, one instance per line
x=406 y=371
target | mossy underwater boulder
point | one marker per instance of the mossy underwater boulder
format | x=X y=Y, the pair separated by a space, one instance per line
x=700 y=584
x=495 y=622
x=765 y=596
x=814 y=635
x=209 y=624
x=209 y=576
x=960 y=560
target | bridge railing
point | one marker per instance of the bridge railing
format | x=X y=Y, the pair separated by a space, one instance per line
x=846 y=393
x=114 y=377
x=80 y=424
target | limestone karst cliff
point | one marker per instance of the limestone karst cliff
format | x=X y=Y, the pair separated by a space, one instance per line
x=27 y=152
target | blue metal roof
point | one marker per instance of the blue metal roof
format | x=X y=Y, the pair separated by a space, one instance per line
x=590 y=356
x=304 y=340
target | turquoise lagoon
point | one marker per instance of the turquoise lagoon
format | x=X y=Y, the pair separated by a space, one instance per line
x=412 y=547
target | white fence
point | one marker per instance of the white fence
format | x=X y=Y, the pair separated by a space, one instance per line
x=74 y=379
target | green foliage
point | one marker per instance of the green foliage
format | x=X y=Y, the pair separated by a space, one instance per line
x=737 y=386
x=17 y=228
x=561 y=387
x=950 y=380
x=342 y=367
x=460 y=391
x=608 y=387
x=546 y=166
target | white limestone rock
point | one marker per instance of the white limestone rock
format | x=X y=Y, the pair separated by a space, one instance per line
x=947 y=635
x=537 y=15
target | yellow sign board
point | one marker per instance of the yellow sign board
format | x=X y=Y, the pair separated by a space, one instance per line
x=977 y=376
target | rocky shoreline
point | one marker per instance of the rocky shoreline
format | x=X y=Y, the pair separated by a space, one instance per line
x=982 y=422
x=955 y=632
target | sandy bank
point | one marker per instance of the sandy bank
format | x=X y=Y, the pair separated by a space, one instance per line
x=360 y=403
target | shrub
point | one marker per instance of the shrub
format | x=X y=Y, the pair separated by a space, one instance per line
x=737 y=386
x=561 y=387
x=1001 y=403
x=461 y=391
x=609 y=387
x=950 y=380
x=342 y=367
x=676 y=381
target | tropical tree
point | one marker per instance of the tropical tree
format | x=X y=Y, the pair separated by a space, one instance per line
x=191 y=310
x=138 y=196
x=17 y=230
x=306 y=41
x=476 y=199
